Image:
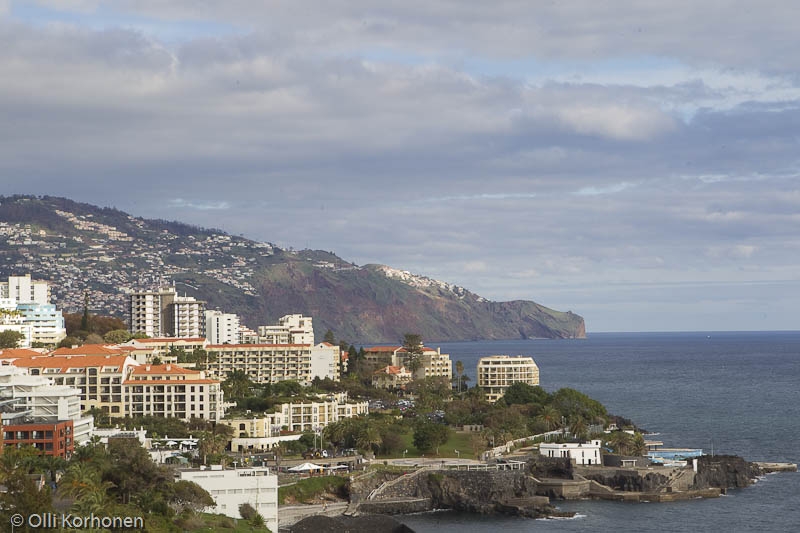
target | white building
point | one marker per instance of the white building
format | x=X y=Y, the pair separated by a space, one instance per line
x=497 y=373
x=47 y=322
x=325 y=361
x=291 y=329
x=222 y=328
x=24 y=290
x=162 y=313
x=231 y=488
x=581 y=453
x=13 y=321
x=46 y=400
x=301 y=416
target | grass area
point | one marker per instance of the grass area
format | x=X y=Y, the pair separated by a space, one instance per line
x=306 y=489
x=457 y=441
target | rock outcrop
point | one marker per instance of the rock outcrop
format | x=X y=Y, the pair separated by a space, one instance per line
x=725 y=472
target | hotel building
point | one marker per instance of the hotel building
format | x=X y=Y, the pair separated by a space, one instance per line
x=496 y=373
x=264 y=363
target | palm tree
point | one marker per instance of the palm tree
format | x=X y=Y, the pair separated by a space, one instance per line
x=578 y=427
x=550 y=417
x=459 y=371
x=620 y=442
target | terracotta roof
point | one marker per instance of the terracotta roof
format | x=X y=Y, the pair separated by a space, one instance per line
x=171 y=382
x=168 y=339
x=81 y=361
x=8 y=353
x=392 y=370
x=162 y=369
x=218 y=346
x=88 y=349
x=327 y=344
x=394 y=348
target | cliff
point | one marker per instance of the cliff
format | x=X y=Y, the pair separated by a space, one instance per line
x=725 y=472
x=101 y=251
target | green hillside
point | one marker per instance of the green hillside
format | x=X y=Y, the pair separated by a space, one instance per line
x=80 y=247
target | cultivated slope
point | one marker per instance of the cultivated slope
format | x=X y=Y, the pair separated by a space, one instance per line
x=80 y=247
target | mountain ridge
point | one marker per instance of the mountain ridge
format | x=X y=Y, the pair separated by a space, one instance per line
x=99 y=250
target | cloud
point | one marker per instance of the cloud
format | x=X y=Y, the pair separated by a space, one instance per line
x=200 y=206
x=546 y=152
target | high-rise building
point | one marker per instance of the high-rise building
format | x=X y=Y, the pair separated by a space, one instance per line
x=24 y=290
x=497 y=373
x=263 y=363
x=25 y=307
x=162 y=313
x=222 y=328
x=291 y=329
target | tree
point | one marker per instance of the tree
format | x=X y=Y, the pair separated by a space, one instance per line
x=549 y=417
x=522 y=393
x=117 y=336
x=412 y=344
x=237 y=385
x=10 y=338
x=69 y=342
x=211 y=444
x=189 y=495
x=94 y=338
x=459 y=371
x=85 y=317
x=157 y=360
x=329 y=338
x=429 y=435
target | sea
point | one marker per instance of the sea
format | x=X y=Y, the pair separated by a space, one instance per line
x=727 y=392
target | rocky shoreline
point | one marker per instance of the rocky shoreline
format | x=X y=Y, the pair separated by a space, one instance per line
x=529 y=492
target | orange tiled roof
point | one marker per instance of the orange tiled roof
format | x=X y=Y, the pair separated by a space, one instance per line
x=162 y=369
x=391 y=370
x=218 y=346
x=171 y=382
x=170 y=339
x=83 y=361
x=8 y=353
x=88 y=349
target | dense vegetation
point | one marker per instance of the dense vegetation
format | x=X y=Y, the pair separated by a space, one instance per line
x=117 y=480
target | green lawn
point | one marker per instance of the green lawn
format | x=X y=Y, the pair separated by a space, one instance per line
x=307 y=489
x=457 y=441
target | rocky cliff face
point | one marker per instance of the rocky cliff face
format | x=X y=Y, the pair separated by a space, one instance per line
x=630 y=481
x=488 y=492
x=725 y=472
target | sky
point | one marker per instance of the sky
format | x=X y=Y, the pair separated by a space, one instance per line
x=633 y=162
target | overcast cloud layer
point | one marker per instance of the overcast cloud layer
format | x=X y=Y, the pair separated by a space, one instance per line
x=635 y=164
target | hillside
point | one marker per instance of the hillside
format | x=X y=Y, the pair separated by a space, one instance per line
x=81 y=247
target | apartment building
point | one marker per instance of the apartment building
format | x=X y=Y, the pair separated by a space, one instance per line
x=171 y=391
x=25 y=290
x=51 y=438
x=222 y=328
x=264 y=363
x=45 y=400
x=231 y=488
x=291 y=329
x=391 y=377
x=13 y=321
x=433 y=362
x=497 y=373
x=47 y=322
x=144 y=350
x=98 y=371
x=300 y=416
x=162 y=312
x=325 y=359
x=185 y=317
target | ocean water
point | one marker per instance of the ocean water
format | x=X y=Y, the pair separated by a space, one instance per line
x=736 y=392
